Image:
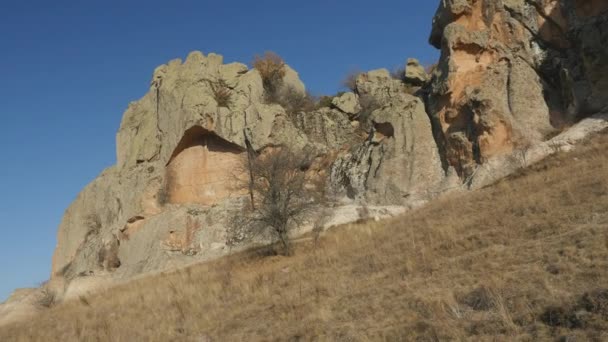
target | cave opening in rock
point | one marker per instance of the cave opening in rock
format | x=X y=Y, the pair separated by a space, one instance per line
x=202 y=168
x=385 y=128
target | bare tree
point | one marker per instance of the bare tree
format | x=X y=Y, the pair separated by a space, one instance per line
x=281 y=193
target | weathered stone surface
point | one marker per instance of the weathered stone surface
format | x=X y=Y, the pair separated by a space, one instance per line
x=201 y=169
x=330 y=128
x=167 y=200
x=182 y=97
x=399 y=161
x=347 y=102
x=174 y=146
x=512 y=72
x=415 y=73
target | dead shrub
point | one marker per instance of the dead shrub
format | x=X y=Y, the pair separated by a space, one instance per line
x=350 y=81
x=294 y=101
x=368 y=105
x=93 y=223
x=281 y=196
x=325 y=102
x=221 y=93
x=580 y=314
x=47 y=298
x=596 y=302
x=272 y=70
x=398 y=73
x=559 y=316
x=430 y=69
x=480 y=299
x=107 y=256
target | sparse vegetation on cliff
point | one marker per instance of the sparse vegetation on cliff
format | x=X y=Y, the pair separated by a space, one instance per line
x=294 y=101
x=272 y=70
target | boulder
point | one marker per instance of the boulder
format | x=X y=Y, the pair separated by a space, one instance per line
x=347 y=103
x=415 y=73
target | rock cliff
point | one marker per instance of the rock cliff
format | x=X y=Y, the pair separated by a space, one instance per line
x=177 y=149
x=512 y=75
x=167 y=200
x=398 y=163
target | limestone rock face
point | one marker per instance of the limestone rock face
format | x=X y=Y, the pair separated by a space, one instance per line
x=399 y=161
x=328 y=127
x=179 y=149
x=511 y=72
x=182 y=96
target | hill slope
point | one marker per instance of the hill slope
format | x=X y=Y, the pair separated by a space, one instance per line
x=525 y=259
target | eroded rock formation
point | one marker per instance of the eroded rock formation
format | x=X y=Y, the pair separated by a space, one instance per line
x=513 y=72
x=177 y=149
x=180 y=151
x=399 y=162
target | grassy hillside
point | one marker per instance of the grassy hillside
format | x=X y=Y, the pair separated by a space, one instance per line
x=525 y=259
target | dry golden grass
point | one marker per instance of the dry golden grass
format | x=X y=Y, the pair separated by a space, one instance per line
x=523 y=260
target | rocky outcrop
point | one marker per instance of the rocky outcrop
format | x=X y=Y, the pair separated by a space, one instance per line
x=182 y=96
x=513 y=72
x=329 y=127
x=399 y=162
x=179 y=149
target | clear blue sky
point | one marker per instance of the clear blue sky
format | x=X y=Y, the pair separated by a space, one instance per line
x=70 y=68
